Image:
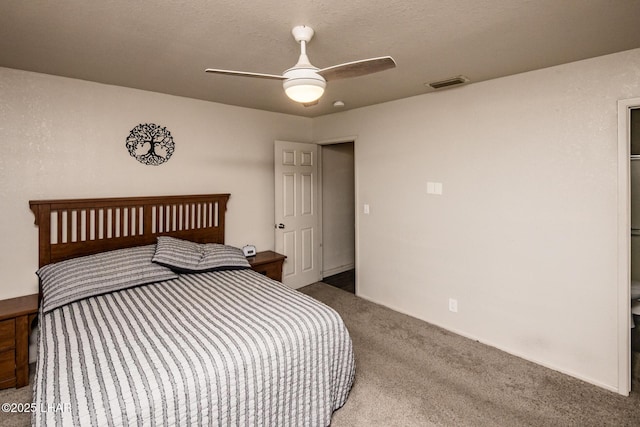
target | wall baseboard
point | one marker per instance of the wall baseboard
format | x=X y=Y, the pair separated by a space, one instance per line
x=337 y=270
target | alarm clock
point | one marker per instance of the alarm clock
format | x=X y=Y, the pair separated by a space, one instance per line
x=249 y=250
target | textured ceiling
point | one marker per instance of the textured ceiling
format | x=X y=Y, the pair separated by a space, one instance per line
x=164 y=46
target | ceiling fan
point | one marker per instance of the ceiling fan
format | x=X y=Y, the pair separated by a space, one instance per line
x=304 y=82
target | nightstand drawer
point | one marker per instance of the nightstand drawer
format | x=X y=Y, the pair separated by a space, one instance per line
x=7 y=365
x=268 y=263
x=273 y=271
x=17 y=315
x=7 y=334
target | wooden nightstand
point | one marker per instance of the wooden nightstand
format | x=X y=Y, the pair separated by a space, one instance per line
x=16 y=315
x=268 y=263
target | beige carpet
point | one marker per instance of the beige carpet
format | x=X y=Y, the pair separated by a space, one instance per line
x=410 y=373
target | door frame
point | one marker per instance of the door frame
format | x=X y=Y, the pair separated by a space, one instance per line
x=624 y=243
x=339 y=140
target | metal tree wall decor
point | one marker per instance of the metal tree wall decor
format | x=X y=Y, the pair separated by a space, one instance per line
x=150 y=144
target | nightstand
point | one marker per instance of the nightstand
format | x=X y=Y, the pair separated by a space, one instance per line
x=268 y=263
x=16 y=316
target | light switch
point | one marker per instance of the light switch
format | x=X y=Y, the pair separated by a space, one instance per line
x=366 y=209
x=434 y=188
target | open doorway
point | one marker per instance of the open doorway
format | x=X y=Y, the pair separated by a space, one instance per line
x=634 y=187
x=338 y=215
x=626 y=356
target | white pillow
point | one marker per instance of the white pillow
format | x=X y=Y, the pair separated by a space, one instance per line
x=78 y=278
x=185 y=256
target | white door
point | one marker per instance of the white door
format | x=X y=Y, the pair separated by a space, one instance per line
x=296 y=214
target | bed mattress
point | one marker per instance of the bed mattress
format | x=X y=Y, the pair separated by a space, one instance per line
x=218 y=348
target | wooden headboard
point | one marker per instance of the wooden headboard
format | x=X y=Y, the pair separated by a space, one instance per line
x=77 y=227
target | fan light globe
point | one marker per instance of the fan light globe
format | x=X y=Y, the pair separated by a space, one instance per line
x=304 y=90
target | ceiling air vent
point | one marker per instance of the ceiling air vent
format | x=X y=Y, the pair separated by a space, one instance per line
x=454 y=81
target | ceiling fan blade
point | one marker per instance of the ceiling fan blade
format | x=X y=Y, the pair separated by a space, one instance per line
x=245 y=74
x=311 y=104
x=357 y=68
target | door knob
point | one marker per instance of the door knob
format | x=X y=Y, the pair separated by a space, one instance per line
x=280 y=226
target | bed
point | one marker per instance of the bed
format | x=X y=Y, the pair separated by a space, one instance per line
x=218 y=346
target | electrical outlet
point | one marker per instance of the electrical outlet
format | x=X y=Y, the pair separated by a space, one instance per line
x=365 y=209
x=453 y=305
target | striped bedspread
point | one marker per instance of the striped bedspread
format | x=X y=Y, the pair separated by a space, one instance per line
x=220 y=348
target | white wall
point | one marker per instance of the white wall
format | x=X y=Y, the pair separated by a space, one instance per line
x=524 y=235
x=338 y=209
x=65 y=138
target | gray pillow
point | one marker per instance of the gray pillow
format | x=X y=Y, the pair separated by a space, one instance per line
x=78 y=278
x=184 y=256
